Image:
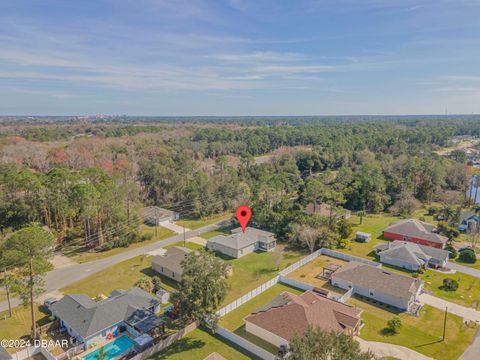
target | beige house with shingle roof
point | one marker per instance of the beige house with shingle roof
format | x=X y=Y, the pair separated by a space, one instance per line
x=288 y=315
x=170 y=263
x=399 y=291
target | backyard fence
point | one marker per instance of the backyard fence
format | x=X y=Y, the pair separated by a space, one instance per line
x=346 y=257
x=295 y=283
x=245 y=344
x=301 y=262
x=26 y=353
x=344 y=298
x=243 y=299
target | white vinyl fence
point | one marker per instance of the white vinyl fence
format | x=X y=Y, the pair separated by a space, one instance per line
x=344 y=298
x=295 y=283
x=243 y=299
x=346 y=257
x=245 y=344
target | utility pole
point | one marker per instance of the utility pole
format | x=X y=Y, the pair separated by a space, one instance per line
x=184 y=238
x=445 y=323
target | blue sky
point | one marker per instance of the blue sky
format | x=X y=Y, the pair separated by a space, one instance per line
x=239 y=57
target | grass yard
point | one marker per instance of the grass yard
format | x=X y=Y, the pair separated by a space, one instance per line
x=120 y=276
x=308 y=273
x=422 y=334
x=188 y=245
x=81 y=256
x=19 y=325
x=198 y=223
x=3 y=295
x=254 y=269
x=198 y=345
x=234 y=320
x=224 y=230
x=467 y=294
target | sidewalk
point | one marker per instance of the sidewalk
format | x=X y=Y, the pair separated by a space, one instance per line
x=462 y=311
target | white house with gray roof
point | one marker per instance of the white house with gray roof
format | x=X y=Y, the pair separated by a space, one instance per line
x=90 y=321
x=387 y=287
x=411 y=256
x=239 y=244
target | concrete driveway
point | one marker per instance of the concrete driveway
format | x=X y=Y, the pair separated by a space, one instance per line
x=473 y=351
x=174 y=227
x=459 y=310
x=382 y=350
x=464 y=269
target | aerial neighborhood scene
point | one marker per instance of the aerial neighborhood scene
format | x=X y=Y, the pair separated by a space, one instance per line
x=239 y=179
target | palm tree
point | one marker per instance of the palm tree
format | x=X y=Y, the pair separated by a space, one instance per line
x=102 y=354
x=361 y=214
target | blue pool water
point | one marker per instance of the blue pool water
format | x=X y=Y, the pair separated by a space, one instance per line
x=113 y=349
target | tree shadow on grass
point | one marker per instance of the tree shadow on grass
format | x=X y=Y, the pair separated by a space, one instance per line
x=182 y=345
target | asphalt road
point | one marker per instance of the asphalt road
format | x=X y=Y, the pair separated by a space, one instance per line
x=59 y=278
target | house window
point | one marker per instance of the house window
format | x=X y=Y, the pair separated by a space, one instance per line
x=173 y=274
x=350 y=285
x=371 y=292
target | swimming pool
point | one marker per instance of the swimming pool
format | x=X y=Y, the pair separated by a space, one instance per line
x=113 y=349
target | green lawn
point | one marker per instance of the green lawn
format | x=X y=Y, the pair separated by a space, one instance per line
x=3 y=294
x=199 y=344
x=120 y=276
x=191 y=223
x=158 y=233
x=18 y=326
x=188 y=245
x=474 y=266
x=224 y=230
x=252 y=270
x=467 y=294
x=422 y=334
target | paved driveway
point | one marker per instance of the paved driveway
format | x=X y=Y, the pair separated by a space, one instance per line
x=382 y=350
x=464 y=269
x=462 y=311
x=473 y=351
x=174 y=227
x=59 y=278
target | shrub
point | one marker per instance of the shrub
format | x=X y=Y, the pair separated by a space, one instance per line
x=157 y=283
x=468 y=256
x=394 y=324
x=453 y=252
x=450 y=284
x=145 y=283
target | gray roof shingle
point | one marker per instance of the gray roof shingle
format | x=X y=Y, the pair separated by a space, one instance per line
x=172 y=259
x=411 y=252
x=239 y=240
x=378 y=279
x=87 y=317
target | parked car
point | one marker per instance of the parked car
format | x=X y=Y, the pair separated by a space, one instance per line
x=49 y=302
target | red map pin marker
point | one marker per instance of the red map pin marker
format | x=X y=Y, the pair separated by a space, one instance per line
x=243 y=214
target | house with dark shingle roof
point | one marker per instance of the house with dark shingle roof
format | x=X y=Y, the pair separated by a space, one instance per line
x=239 y=244
x=469 y=221
x=91 y=321
x=170 y=263
x=411 y=256
x=416 y=231
x=399 y=291
x=288 y=315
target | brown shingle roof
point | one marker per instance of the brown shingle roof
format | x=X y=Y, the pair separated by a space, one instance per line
x=378 y=279
x=416 y=228
x=292 y=314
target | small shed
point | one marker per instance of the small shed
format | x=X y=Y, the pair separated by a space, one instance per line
x=362 y=237
x=163 y=295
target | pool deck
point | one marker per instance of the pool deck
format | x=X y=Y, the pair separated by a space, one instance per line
x=96 y=347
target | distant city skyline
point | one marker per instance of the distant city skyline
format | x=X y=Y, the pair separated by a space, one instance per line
x=239 y=57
